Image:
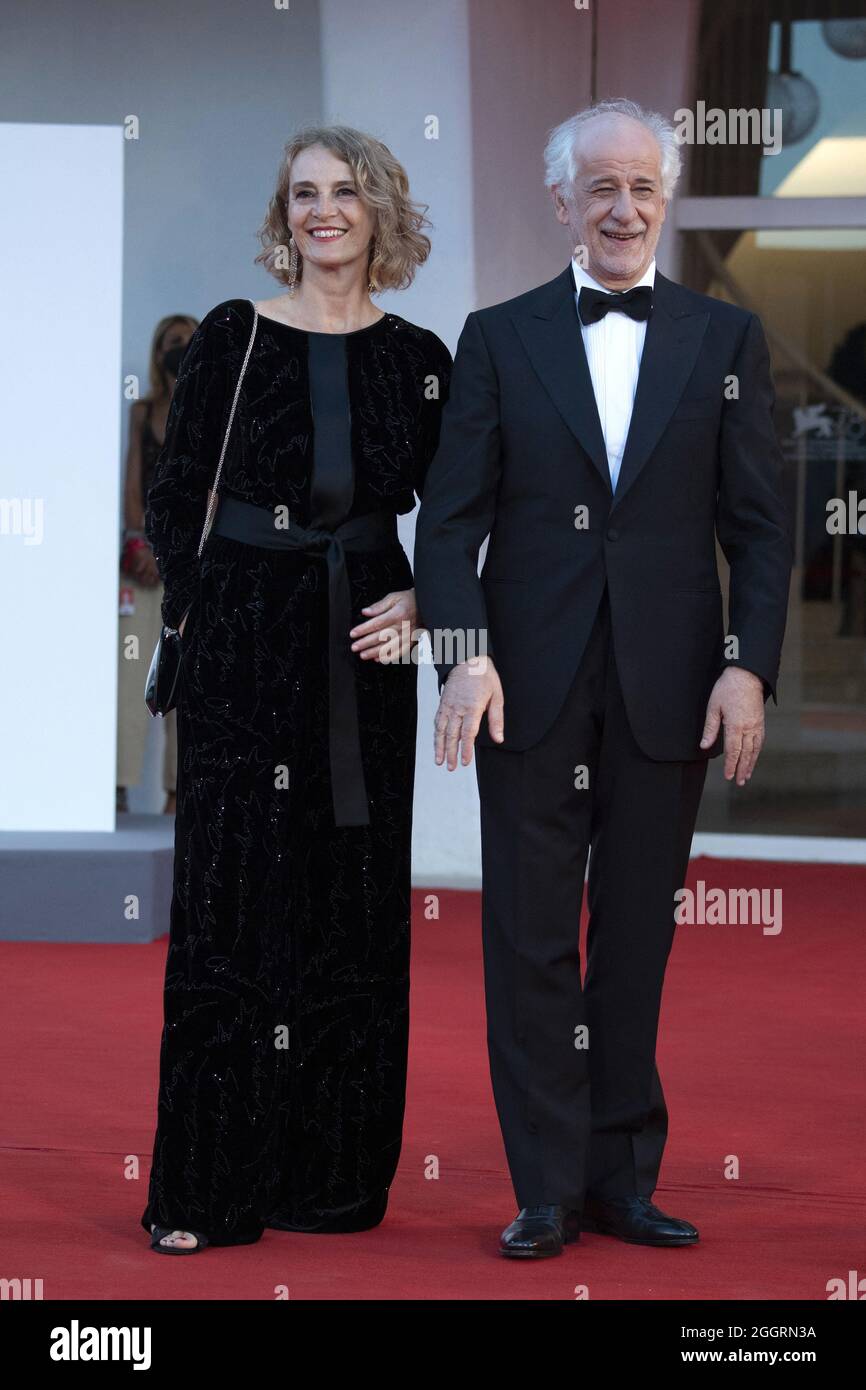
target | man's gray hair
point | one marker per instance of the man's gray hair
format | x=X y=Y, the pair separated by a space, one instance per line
x=560 y=154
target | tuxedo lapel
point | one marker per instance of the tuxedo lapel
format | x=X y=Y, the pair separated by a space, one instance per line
x=550 y=332
x=673 y=339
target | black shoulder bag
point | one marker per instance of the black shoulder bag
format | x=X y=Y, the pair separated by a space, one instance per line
x=160 y=691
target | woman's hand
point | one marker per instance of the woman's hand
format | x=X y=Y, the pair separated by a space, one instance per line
x=389 y=634
x=144 y=568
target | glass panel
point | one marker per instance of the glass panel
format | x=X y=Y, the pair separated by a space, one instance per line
x=806 y=58
x=823 y=100
x=809 y=289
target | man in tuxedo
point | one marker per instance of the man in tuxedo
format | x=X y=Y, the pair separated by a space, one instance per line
x=603 y=430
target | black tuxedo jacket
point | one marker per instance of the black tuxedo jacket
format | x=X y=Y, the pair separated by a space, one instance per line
x=521 y=449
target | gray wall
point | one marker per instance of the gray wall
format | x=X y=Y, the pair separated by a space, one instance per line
x=388 y=66
x=218 y=86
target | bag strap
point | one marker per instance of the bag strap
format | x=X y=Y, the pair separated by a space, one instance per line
x=211 y=506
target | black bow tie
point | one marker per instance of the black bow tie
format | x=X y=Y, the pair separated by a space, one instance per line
x=592 y=305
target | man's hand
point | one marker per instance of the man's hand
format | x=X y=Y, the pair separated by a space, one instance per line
x=472 y=687
x=737 y=702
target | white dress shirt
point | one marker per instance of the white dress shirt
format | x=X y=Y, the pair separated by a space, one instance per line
x=613 y=351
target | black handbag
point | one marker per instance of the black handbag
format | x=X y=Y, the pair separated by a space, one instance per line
x=163 y=678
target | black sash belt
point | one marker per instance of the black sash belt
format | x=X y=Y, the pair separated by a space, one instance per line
x=241 y=521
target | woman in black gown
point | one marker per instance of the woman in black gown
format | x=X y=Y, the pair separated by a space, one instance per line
x=283 y=1056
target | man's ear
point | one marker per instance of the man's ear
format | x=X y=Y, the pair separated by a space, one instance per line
x=559 y=205
x=664 y=209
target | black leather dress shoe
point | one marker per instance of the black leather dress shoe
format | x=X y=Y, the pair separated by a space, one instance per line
x=635 y=1219
x=537 y=1232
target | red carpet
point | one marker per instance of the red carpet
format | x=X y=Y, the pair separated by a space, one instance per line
x=760 y=1052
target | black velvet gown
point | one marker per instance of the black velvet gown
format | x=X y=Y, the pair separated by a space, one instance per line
x=283 y=1054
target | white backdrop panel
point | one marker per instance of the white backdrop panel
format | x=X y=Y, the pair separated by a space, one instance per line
x=61 y=239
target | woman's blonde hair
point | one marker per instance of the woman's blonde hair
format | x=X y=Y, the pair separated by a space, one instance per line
x=398 y=245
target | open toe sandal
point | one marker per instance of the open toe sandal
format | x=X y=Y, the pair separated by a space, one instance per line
x=159 y=1231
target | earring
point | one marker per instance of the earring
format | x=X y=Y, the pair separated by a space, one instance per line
x=372 y=287
x=293 y=265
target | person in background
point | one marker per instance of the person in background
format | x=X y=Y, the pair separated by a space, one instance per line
x=848 y=369
x=141 y=590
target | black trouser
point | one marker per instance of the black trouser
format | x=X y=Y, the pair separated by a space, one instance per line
x=577 y=1091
